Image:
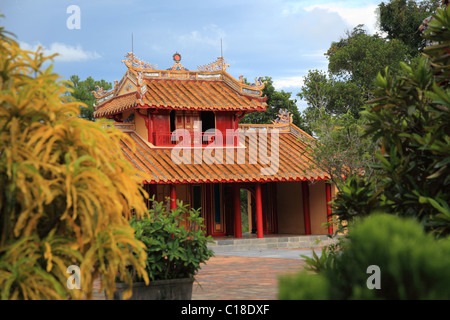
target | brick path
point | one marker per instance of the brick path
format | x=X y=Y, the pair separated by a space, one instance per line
x=242 y=278
x=226 y=277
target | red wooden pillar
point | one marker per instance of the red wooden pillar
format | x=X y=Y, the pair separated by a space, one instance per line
x=264 y=205
x=209 y=217
x=306 y=214
x=173 y=197
x=259 y=216
x=151 y=118
x=237 y=211
x=328 y=191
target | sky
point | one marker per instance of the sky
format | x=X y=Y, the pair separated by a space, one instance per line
x=275 y=38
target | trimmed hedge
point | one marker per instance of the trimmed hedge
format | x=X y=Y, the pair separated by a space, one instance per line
x=413 y=264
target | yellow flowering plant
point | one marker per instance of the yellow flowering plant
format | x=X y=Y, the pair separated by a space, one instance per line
x=66 y=192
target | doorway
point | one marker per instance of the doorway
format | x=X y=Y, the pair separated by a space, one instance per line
x=248 y=210
x=245 y=205
x=208 y=119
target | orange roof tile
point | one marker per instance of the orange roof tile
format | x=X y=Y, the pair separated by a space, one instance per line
x=184 y=94
x=157 y=166
x=117 y=104
x=198 y=95
x=210 y=88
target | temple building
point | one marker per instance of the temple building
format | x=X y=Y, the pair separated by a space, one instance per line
x=190 y=146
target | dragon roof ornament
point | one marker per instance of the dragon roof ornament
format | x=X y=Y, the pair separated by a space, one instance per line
x=219 y=64
x=283 y=117
x=132 y=61
x=99 y=92
x=140 y=72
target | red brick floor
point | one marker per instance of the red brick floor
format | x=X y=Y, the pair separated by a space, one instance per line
x=237 y=278
x=242 y=278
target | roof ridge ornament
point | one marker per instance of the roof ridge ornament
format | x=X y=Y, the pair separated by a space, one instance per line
x=177 y=65
x=132 y=61
x=283 y=117
x=258 y=82
x=98 y=92
x=217 y=65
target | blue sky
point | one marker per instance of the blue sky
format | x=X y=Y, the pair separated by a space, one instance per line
x=276 y=38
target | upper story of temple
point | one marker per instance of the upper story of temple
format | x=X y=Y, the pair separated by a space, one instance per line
x=154 y=103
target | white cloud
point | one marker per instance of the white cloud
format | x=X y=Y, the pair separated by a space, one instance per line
x=353 y=16
x=316 y=54
x=209 y=35
x=288 y=82
x=66 y=53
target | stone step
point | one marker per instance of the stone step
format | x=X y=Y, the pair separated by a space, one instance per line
x=278 y=242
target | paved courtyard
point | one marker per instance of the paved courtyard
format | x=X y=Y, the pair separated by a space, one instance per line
x=246 y=275
x=243 y=275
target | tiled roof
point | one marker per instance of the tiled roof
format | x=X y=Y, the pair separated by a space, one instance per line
x=117 y=104
x=157 y=166
x=198 y=95
x=183 y=94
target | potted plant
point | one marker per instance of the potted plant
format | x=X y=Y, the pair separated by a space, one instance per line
x=176 y=246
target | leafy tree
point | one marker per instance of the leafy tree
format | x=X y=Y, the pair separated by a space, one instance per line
x=360 y=57
x=401 y=20
x=410 y=115
x=327 y=95
x=276 y=100
x=333 y=117
x=66 y=192
x=82 y=91
x=335 y=101
x=340 y=148
x=354 y=61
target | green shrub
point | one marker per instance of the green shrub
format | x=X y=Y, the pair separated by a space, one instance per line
x=313 y=287
x=356 y=198
x=176 y=243
x=413 y=264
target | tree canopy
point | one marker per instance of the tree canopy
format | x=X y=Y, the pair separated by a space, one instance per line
x=401 y=19
x=354 y=62
x=409 y=115
x=82 y=91
x=325 y=94
x=336 y=99
x=359 y=57
x=276 y=100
